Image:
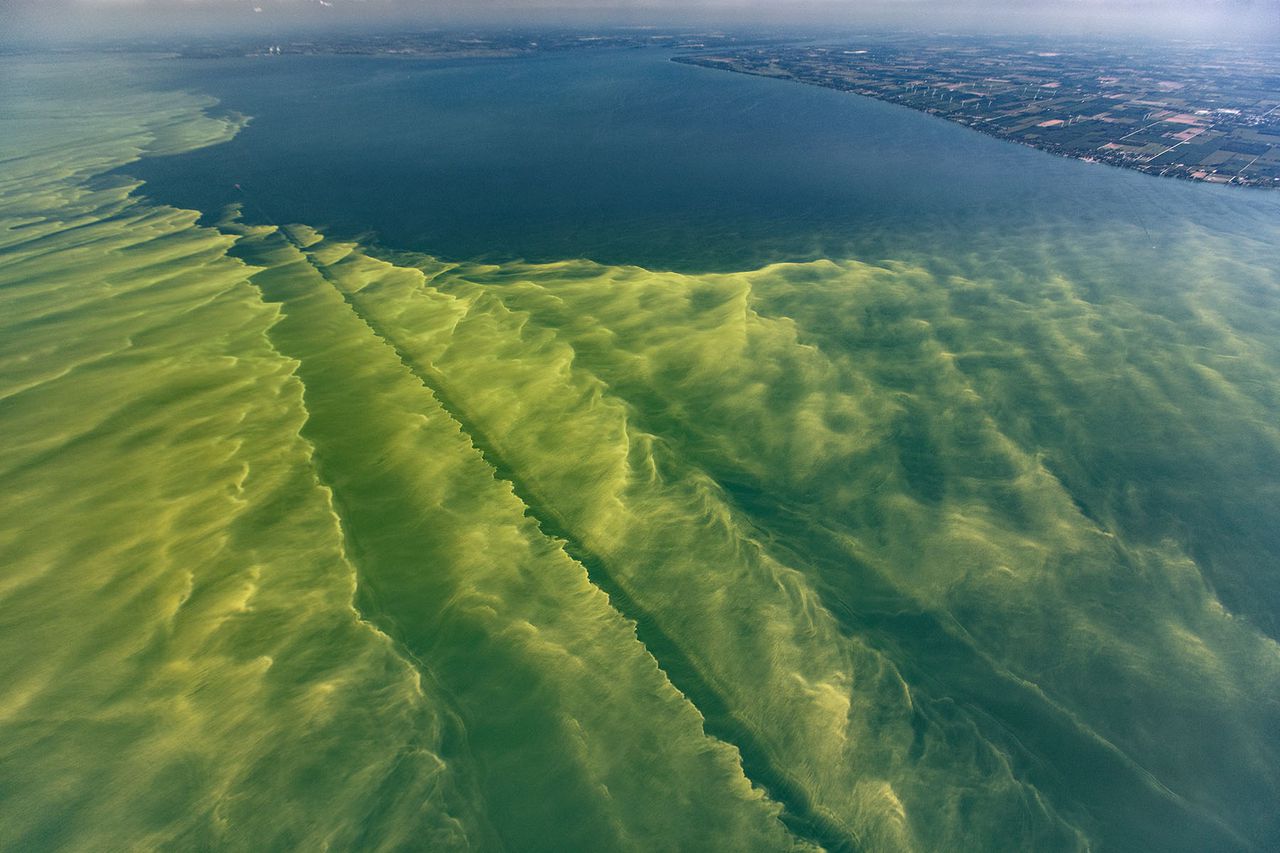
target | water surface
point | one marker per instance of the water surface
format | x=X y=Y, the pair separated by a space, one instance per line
x=595 y=452
x=626 y=157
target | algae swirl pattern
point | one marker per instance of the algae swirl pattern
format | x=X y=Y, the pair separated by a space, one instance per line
x=311 y=545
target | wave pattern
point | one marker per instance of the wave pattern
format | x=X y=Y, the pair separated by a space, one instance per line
x=312 y=545
x=183 y=665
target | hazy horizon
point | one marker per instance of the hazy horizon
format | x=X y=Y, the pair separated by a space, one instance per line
x=1238 y=20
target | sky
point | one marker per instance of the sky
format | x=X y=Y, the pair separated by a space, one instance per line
x=1248 y=20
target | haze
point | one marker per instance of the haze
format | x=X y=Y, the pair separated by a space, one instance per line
x=1235 y=20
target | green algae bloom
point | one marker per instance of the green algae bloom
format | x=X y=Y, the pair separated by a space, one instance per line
x=310 y=544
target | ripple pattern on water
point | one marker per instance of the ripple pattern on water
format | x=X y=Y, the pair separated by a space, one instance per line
x=313 y=545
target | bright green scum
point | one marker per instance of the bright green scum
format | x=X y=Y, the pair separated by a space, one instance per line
x=307 y=546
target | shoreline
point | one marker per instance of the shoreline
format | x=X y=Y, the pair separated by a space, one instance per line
x=1095 y=157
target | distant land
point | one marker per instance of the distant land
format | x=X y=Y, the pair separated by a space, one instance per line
x=455 y=44
x=1204 y=112
x=1196 y=112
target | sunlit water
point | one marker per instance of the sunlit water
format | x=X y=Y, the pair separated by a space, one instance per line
x=594 y=452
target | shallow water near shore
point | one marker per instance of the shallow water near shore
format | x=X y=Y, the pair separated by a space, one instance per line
x=595 y=452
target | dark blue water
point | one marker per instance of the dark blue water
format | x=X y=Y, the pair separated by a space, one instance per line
x=622 y=156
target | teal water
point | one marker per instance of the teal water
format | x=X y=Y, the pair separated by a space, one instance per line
x=593 y=452
x=626 y=157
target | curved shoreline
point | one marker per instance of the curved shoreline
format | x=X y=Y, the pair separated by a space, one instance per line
x=982 y=125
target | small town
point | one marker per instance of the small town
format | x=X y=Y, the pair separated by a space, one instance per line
x=1211 y=115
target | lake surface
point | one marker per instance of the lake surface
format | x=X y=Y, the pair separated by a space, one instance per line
x=593 y=452
x=626 y=157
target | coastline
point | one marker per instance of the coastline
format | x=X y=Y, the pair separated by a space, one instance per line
x=1116 y=159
